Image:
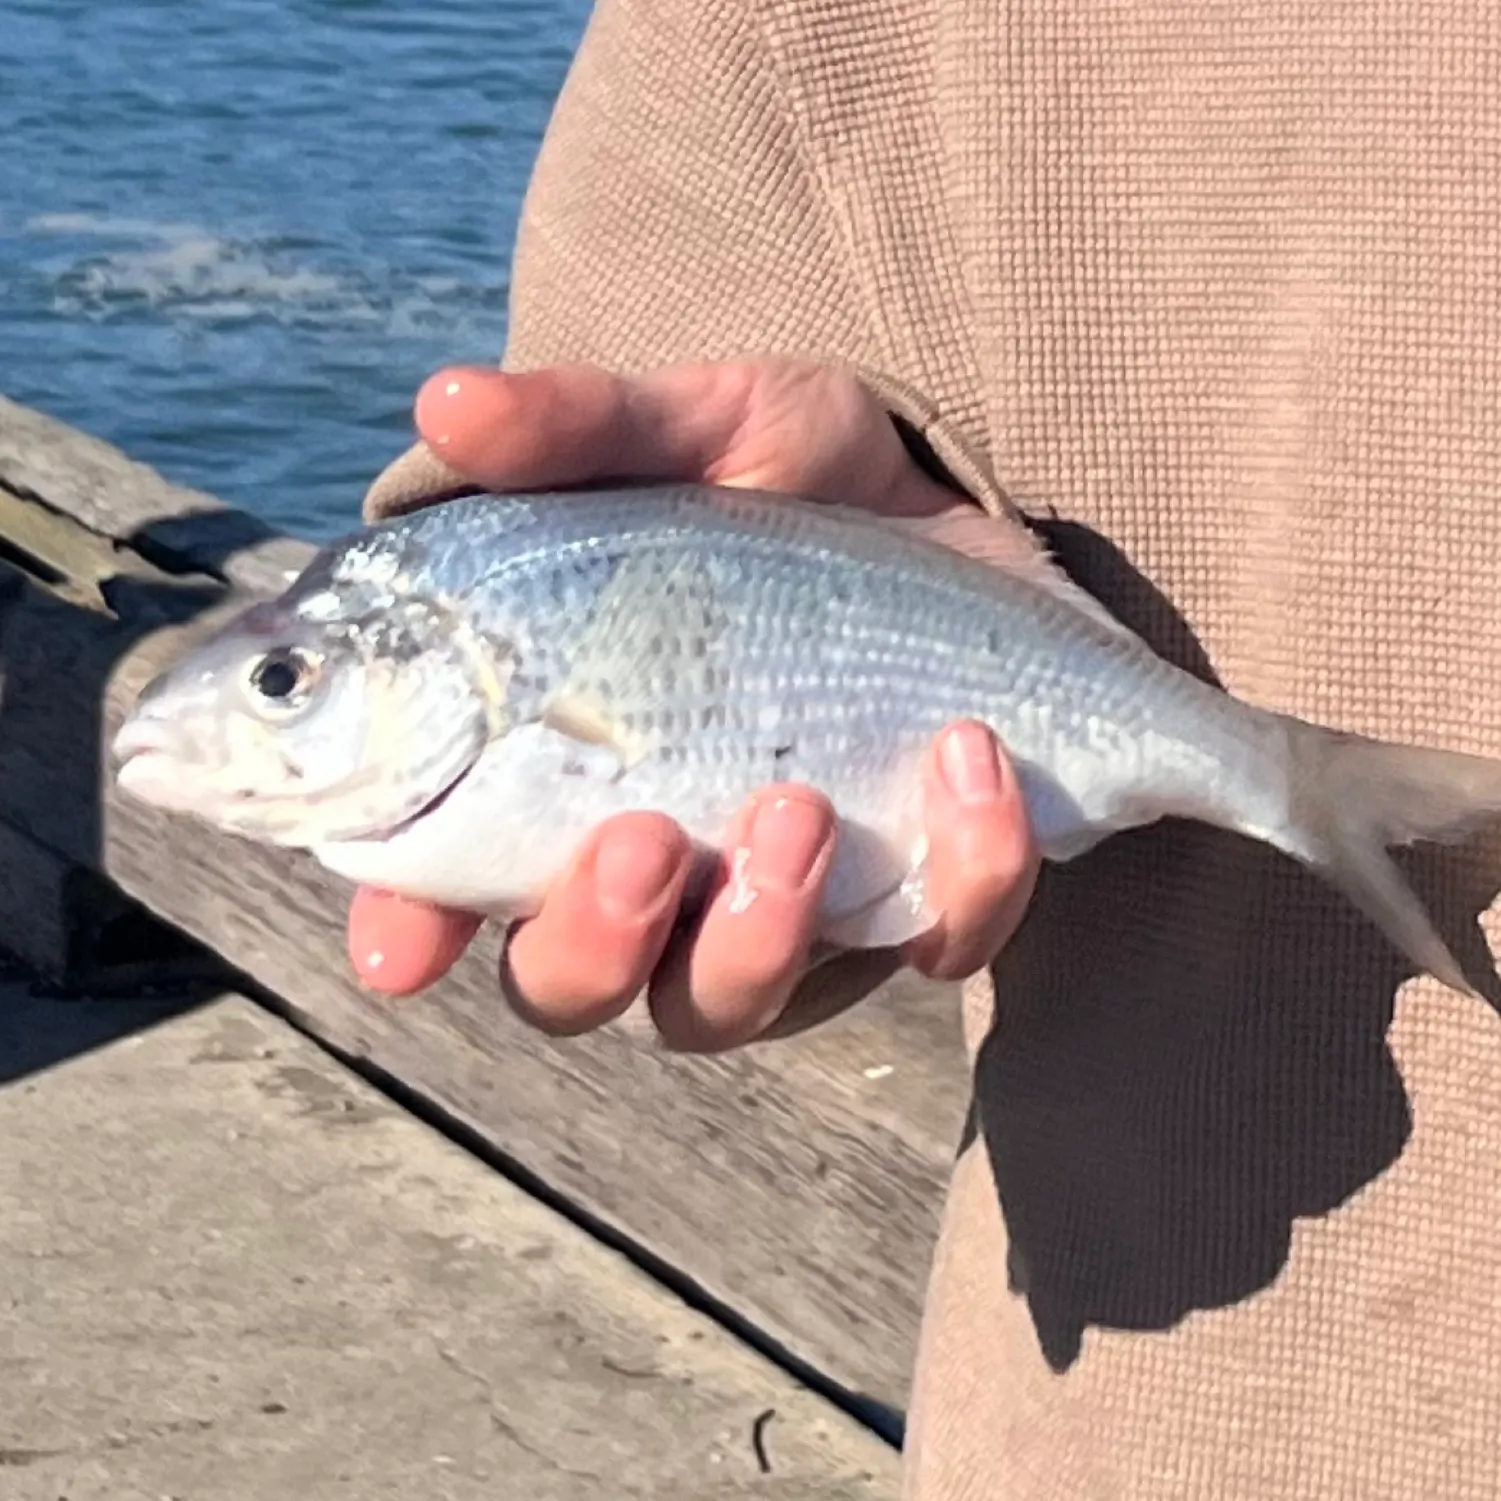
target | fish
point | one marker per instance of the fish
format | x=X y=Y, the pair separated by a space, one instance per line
x=447 y=704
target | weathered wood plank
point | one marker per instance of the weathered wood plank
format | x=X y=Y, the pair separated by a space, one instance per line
x=234 y=1270
x=799 y=1182
x=88 y=481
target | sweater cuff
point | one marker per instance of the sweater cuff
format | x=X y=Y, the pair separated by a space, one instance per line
x=935 y=443
x=418 y=478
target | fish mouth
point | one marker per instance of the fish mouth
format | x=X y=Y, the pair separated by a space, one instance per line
x=138 y=737
x=158 y=778
x=152 y=774
x=162 y=781
x=149 y=761
x=150 y=767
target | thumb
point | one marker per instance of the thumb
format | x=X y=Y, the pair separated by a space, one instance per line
x=544 y=429
x=483 y=429
x=574 y=424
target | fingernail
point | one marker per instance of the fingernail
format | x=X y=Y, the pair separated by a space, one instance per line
x=970 y=766
x=632 y=874
x=434 y=403
x=787 y=838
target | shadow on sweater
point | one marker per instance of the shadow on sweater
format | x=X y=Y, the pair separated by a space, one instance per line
x=1163 y=1099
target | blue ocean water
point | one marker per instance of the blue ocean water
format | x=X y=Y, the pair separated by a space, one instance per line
x=235 y=237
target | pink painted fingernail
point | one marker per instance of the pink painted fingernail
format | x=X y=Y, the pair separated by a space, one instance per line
x=633 y=871
x=971 y=768
x=788 y=838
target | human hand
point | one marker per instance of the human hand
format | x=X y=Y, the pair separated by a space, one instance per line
x=610 y=927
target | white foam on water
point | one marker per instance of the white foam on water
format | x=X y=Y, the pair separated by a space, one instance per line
x=185 y=272
x=107 y=225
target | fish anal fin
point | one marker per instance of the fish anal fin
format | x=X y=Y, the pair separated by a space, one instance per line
x=876 y=892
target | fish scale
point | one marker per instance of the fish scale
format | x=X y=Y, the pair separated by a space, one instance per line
x=478 y=685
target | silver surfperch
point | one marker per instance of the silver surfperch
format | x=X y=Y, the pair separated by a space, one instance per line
x=447 y=704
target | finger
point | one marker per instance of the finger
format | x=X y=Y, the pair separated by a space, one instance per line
x=982 y=858
x=591 y=949
x=726 y=983
x=842 y=980
x=571 y=424
x=400 y=946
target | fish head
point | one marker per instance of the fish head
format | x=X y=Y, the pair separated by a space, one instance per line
x=298 y=723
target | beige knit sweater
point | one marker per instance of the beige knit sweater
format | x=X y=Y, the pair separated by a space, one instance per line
x=1214 y=289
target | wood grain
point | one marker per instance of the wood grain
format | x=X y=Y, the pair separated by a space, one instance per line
x=799 y=1182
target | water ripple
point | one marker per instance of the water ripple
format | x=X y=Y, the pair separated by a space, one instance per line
x=234 y=238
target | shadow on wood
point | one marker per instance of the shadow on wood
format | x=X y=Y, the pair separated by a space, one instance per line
x=42 y=1030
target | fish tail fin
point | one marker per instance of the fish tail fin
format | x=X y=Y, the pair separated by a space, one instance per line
x=1357 y=797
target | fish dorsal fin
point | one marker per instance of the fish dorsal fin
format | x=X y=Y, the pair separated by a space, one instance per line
x=1014 y=550
x=653 y=637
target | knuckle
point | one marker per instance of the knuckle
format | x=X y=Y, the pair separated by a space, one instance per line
x=681 y=1023
x=619 y=978
x=958 y=965
x=995 y=855
x=680 y=1030
x=975 y=929
x=1012 y=871
x=560 y=1024
x=961 y=955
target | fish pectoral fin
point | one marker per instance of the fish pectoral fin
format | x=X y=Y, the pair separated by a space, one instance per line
x=654 y=633
x=580 y=718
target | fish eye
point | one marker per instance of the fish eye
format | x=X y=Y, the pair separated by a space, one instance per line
x=280 y=676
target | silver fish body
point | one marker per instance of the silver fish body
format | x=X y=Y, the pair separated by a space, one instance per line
x=483 y=682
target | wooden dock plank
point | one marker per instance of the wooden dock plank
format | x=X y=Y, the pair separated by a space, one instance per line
x=799 y=1182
